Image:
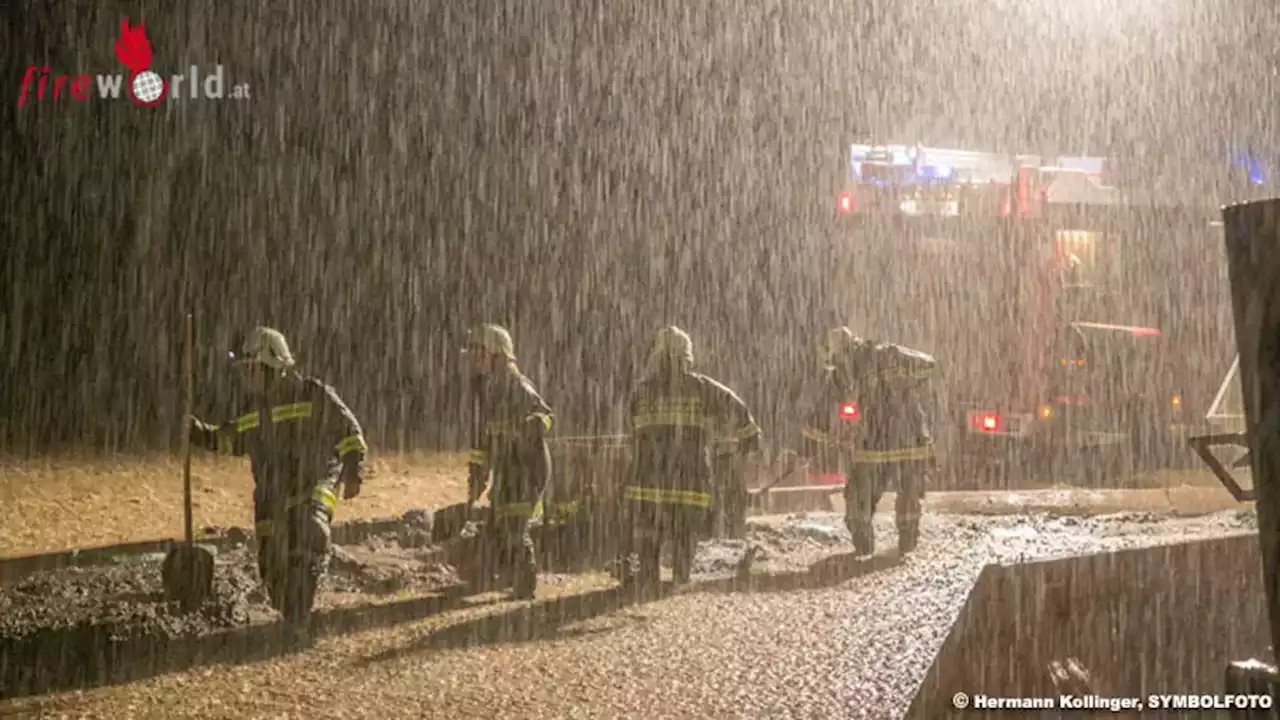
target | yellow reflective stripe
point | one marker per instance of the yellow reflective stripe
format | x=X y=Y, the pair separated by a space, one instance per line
x=262 y=529
x=900 y=374
x=226 y=444
x=564 y=509
x=660 y=496
x=748 y=431
x=562 y=513
x=326 y=496
x=478 y=457
x=543 y=418
x=816 y=435
x=725 y=445
x=350 y=444
x=670 y=412
x=279 y=413
x=649 y=420
x=501 y=427
x=923 y=452
x=518 y=509
x=295 y=411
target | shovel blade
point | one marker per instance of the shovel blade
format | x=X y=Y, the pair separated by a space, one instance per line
x=187 y=573
x=448 y=522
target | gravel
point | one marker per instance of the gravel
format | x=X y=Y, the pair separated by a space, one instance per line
x=856 y=650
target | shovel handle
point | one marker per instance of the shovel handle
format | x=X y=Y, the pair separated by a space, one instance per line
x=188 y=410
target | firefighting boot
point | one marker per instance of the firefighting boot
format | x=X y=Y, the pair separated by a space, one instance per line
x=647 y=579
x=525 y=574
x=908 y=536
x=864 y=535
x=682 y=556
x=907 y=510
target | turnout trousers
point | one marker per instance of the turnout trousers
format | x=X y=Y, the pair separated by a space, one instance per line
x=515 y=497
x=667 y=512
x=868 y=482
x=292 y=524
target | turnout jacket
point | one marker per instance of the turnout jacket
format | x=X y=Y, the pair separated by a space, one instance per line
x=673 y=421
x=509 y=440
x=301 y=439
x=875 y=405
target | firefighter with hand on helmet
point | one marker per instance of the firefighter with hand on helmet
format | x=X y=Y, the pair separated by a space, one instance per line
x=509 y=441
x=871 y=420
x=303 y=442
x=674 y=413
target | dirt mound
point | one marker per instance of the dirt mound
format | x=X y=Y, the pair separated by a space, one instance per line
x=127 y=598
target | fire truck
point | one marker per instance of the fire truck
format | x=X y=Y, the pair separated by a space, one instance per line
x=1073 y=326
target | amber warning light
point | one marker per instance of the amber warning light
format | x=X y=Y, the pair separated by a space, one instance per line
x=846 y=202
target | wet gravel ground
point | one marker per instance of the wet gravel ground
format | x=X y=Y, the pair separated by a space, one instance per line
x=856 y=650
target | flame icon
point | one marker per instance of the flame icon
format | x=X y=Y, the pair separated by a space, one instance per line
x=133 y=49
x=146 y=87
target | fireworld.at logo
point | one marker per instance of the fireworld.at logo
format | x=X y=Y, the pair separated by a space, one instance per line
x=142 y=84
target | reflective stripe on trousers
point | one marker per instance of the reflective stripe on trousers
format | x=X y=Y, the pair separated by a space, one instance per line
x=878 y=457
x=662 y=496
x=322 y=495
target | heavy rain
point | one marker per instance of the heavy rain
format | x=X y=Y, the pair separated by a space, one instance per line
x=717 y=359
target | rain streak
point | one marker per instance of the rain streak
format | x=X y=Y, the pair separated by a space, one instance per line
x=808 y=359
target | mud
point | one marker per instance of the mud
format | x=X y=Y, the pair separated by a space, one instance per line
x=128 y=598
x=59 y=627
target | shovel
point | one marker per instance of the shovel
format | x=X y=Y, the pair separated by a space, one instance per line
x=759 y=498
x=188 y=569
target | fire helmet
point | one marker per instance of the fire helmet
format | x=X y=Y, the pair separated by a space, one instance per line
x=492 y=339
x=267 y=346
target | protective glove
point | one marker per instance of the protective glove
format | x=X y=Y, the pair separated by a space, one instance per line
x=351 y=488
x=749 y=445
x=202 y=434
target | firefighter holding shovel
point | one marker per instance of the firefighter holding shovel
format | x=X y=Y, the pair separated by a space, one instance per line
x=510 y=431
x=303 y=442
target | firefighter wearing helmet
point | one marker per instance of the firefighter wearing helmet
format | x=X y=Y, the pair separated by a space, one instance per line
x=303 y=442
x=673 y=414
x=512 y=423
x=870 y=420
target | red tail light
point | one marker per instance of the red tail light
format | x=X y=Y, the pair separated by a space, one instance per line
x=849 y=411
x=986 y=421
x=846 y=202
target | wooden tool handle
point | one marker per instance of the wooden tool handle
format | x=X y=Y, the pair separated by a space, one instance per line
x=188 y=411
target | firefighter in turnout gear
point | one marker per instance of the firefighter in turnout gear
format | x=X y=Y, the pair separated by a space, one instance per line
x=674 y=412
x=509 y=441
x=303 y=442
x=872 y=419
